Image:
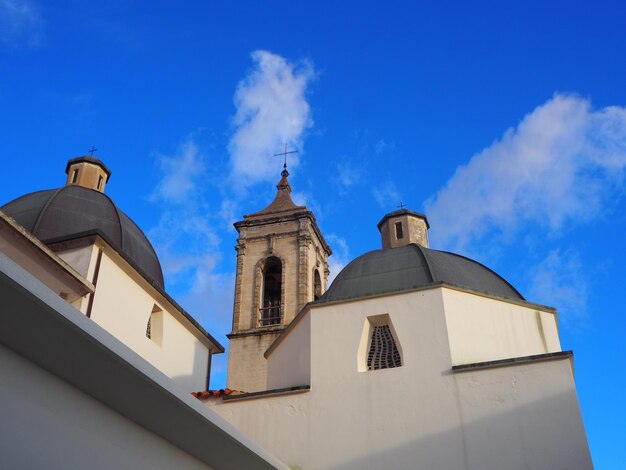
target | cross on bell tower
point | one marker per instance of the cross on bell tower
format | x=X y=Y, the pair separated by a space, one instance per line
x=284 y=154
x=282 y=263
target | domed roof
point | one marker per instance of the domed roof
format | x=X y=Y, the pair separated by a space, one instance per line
x=412 y=266
x=73 y=210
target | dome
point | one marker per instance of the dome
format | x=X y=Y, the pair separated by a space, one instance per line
x=412 y=266
x=72 y=211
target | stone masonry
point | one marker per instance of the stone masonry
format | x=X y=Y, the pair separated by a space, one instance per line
x=289 y=233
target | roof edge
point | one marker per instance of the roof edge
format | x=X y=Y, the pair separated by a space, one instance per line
x=88 y=159
x=144 y=275
x=400 y=212
x=514 y=361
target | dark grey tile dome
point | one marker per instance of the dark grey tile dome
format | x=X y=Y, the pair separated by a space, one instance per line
x=412 y=266
x=70 y=211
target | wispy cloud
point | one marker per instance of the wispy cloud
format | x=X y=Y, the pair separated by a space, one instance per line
x=184 y=237
x=558 y=280
x=559 y=169
x=346 y=175
x=340 y=257
x=272 y=109
x=187 y=239
x=180 y=175
x=382 y=146
x=20 y=23
x=386 y=195
x=560 y=165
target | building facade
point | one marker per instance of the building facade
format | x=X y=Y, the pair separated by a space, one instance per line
x=415 y=358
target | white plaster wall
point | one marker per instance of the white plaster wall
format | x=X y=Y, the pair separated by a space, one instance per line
x=281 y=423
x=79 y=258
x=528 y=415
x=47 y=423
x=420 y=415
x=485 y=329
x=122 y=307
x=291 y=363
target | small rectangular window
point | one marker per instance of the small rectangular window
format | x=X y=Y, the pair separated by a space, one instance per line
x=399 y=233
x=74 y=175
x=99 y=181
x=154 y=327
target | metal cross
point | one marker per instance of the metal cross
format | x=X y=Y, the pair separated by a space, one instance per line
x=284 y=154
x=92 y=150
x=401 y=205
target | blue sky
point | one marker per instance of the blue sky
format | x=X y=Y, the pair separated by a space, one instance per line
x=504 y=121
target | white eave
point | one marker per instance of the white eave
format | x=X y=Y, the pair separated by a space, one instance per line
x=29 y=252
x=58 y=338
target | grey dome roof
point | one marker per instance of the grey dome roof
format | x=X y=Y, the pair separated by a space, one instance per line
x=64 y=213
x=412 y=266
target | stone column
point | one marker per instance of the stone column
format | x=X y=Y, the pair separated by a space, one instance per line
x=241 y=252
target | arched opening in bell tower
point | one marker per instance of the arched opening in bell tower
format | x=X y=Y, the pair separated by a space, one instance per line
x=317 y=285
x=272 y=292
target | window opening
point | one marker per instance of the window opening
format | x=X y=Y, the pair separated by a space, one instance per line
x=317 y=285
x=272 y=289
x=99 y=181
x=154 y=327
x=75 y=175
x=399 y=233
x=383 y=352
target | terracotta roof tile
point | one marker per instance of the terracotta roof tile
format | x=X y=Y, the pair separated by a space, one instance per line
x=205 y=394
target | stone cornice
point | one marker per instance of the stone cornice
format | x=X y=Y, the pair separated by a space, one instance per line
x=257 y=331
x=287 y=217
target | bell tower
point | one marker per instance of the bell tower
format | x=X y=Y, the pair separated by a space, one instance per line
x=281 y=265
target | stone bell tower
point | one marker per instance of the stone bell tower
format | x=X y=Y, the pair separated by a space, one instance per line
x=281 y=265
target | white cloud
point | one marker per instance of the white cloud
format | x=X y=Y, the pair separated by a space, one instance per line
x=340 y=257
x=188 y=243
x=272 y=110
x=387 y=196
x=184 y=237
x=558 y=280
x=382 y=146
x=346 y=174
x=181 y=174
x=229 y=213
x=20 y=23
x=560 y=165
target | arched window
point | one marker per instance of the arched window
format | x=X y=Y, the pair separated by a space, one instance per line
x=154 y=328
x=317 y=285
x=272 y=289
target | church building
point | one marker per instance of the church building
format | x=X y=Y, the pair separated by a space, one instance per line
x=411 y=358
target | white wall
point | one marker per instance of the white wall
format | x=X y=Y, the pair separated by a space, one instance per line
x=81 y=259
x=122 y=307
x=47 y=423
x=485 y=329
x=291 y=363
x=420 y=415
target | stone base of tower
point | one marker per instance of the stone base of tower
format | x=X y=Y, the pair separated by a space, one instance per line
x=247 y=366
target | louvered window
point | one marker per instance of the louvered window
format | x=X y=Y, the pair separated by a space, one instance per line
x=383 y=352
